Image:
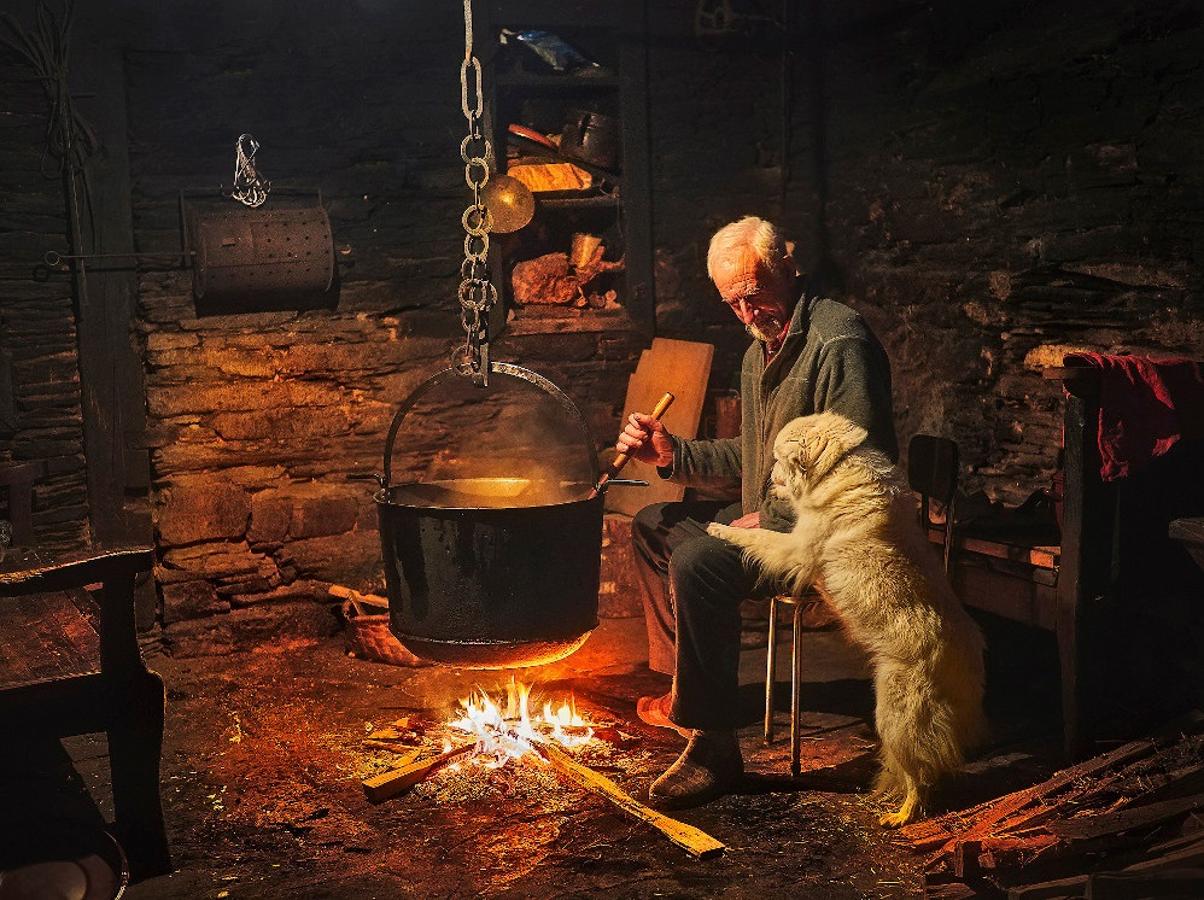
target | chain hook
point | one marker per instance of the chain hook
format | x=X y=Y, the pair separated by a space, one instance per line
x=477 y=293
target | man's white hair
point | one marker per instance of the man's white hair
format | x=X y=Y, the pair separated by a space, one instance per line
x=758 y=235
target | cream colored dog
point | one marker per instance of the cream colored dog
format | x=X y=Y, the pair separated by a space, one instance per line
x=857 y=537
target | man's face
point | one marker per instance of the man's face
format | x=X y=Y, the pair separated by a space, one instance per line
x=759 y=297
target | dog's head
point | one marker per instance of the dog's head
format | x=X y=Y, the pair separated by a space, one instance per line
x=808 y=448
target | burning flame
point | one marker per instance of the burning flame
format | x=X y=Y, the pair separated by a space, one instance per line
x=509 y=731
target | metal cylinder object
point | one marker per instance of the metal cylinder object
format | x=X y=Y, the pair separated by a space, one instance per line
x=244 y=255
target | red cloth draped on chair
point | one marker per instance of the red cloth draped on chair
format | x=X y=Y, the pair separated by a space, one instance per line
x=1146 y=407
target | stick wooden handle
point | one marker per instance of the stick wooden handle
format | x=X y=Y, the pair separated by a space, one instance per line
x=659 y=410
x=391 y=783
x=693 y=840
x=621 y=460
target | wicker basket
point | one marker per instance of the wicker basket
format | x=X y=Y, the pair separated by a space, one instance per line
x=368 y=637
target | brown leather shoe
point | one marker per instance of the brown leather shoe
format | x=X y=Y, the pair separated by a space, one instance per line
x=654 y=711
x=709 y=767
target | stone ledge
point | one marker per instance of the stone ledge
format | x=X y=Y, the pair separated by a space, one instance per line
x=250 y=628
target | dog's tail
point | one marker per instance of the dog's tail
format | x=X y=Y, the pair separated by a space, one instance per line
x=966 y=680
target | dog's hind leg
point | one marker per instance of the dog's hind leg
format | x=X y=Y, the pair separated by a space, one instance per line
x=908 y=811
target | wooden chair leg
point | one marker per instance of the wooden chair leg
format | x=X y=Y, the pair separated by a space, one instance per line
x=771 y=667
x=1067 y=632
x=135 y=747
x=796 y=683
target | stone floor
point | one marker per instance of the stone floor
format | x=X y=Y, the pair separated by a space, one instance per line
x=264 y=755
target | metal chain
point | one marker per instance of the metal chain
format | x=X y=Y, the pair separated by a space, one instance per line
x=477 y=293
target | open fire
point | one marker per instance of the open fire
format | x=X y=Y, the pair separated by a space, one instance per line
x=507 y=730
x=497 y=731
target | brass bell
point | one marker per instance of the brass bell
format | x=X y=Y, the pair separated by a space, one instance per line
x=510 y=203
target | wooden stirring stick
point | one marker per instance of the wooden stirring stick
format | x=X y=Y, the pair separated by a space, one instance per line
x=621 y=460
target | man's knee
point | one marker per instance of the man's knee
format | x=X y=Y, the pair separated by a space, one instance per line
x=646 y=523
x=708 y=559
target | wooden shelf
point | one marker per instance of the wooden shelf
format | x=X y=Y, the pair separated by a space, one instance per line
x=620 y=199
x=575 y=200
x=557 y=319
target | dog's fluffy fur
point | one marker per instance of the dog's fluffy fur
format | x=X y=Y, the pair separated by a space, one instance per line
x=857 y=537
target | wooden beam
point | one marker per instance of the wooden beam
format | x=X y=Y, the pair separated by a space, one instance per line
x=112 y=390
x=693 y=840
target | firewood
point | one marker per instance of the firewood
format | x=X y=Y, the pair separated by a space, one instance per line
x=989 y=816
x=1077 y=798
x=943 y=887
x=1189 y=855
x=386 y=745
x=388 y=733
x=365 y=604
x=1073 y=886
x=971 y=858
x=1140 y=885
x=1088 y=828
x=545 y=279
x=390 y=784
x=1180 y=783
x=995 y=812
x=693 y=840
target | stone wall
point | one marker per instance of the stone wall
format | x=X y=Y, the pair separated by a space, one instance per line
x=986 y=184
x=990 y=183
x=1011 y=179
x=40 y=416
x=266 y=429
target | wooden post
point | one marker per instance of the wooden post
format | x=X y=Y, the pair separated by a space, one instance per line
x=1085 y=563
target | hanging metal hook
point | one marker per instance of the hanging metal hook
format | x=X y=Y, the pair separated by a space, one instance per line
x=250 y=188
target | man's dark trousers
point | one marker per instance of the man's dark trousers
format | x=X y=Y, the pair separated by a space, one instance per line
x=693 y=587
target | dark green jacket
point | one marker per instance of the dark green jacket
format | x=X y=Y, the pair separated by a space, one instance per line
x=830 y=360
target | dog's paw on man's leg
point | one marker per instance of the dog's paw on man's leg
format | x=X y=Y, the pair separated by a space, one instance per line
x=723 y=532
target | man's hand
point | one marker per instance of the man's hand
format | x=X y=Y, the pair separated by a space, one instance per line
x=646 y=439
x=752 y=520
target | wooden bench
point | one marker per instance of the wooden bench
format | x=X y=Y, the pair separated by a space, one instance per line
x=1009 y=579
x=66 y=669
x=1069 y=588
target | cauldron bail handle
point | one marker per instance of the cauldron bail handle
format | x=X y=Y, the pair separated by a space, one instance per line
x=449 y=374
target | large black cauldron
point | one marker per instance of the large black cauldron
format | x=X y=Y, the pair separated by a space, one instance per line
x=497 y=571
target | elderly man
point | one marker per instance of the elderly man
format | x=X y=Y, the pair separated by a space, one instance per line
x=809 y=354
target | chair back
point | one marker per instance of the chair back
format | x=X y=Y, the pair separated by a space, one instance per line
x=17 y=478
x=932 y=465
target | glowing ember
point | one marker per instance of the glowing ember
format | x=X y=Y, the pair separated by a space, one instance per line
x=508 y=731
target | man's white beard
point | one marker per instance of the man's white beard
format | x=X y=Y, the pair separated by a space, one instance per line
x=760 y=334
